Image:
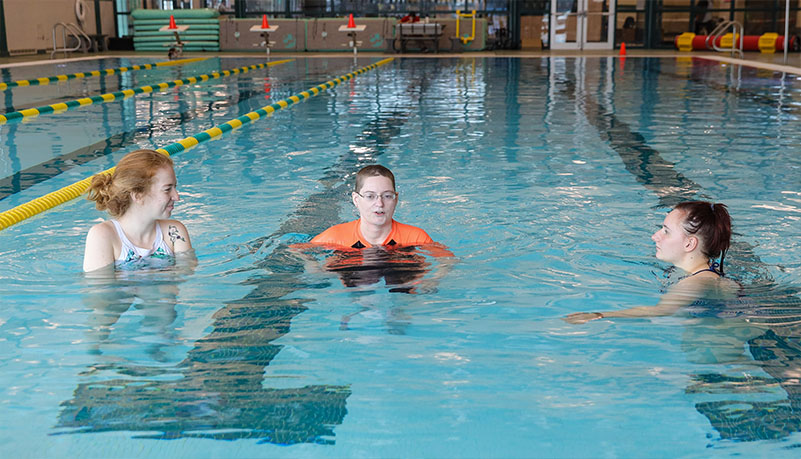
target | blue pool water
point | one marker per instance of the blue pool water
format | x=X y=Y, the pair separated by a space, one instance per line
x=545 y=178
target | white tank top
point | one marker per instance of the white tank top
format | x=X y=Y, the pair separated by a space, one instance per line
x=132 y=256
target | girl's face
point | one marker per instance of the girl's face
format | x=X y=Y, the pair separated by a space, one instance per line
x=162 y=195
x=373 y=200
x=672 y=242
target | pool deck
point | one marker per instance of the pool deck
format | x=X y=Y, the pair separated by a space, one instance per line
x=773 y=62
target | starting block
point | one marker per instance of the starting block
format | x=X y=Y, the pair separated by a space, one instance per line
x=177 y=48
x=265 y=29
x=351 y=29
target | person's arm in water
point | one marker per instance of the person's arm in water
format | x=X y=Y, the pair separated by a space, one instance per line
x=429 y=282
x=680 y=295
x=692 y=235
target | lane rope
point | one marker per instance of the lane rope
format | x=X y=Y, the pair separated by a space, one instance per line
x=126 y=93
x=50 y=200
x=95 y=73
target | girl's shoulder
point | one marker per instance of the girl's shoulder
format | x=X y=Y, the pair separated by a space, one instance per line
x=174 y=232
x=166 y=225
x=103 y=229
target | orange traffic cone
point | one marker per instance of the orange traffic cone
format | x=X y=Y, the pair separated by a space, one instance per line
x=264 y=23
x=351 y=24
x=623 y=48
x=172 y=22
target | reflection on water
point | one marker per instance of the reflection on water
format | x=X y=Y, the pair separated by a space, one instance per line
x=403 y=270
x=398 y=267
x=744 y=406
x=153 y=295
x=217 y=390
x=747 y=385
x=765 y=322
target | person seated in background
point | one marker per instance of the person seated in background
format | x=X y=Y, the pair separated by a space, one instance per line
x=704 y=23
x=140 y=196
x=410 y=18
x=693 y=234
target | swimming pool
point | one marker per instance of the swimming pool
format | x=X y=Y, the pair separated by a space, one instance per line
x=545 y=177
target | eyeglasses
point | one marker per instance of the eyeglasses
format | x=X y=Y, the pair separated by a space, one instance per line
x=386 y=196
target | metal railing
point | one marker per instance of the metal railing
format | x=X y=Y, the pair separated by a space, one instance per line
x=75 y=32
x=721 y=29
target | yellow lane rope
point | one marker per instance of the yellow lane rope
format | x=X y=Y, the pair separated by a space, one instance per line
x=126 y=93
x=50 y=200
x=94 y=73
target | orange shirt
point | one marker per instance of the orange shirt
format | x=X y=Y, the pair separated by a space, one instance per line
x=349 y=235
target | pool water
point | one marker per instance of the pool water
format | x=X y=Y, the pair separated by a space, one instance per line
x=544 y=177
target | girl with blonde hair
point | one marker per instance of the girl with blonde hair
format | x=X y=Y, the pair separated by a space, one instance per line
x=140 y=196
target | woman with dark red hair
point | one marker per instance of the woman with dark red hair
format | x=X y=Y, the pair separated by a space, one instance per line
x=693 y=236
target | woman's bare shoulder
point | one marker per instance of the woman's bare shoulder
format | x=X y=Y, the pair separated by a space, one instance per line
x=102 y=230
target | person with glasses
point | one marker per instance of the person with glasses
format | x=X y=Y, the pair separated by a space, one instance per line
x=375 y=199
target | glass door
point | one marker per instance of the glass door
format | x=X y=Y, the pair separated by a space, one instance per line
x=565 y=15
x=582 y=24
x=599 y=26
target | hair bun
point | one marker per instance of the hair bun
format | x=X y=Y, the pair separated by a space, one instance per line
x=100 y=190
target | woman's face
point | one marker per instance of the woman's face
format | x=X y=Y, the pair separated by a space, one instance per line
x=160 y=198
x=672 y=242
x=379 y=210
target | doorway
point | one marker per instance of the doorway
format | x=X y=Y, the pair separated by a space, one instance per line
x=582 y=24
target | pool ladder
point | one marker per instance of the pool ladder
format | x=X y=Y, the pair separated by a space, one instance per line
x=75 y=32
x=737 y=33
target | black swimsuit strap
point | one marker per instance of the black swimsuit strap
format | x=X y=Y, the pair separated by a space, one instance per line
x=713 y=268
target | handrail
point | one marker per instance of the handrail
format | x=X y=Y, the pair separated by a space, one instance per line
x=459 y=16
x=74 y=31
x=717 y=32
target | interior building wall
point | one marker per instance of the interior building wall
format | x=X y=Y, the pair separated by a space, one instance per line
x=29 y=23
